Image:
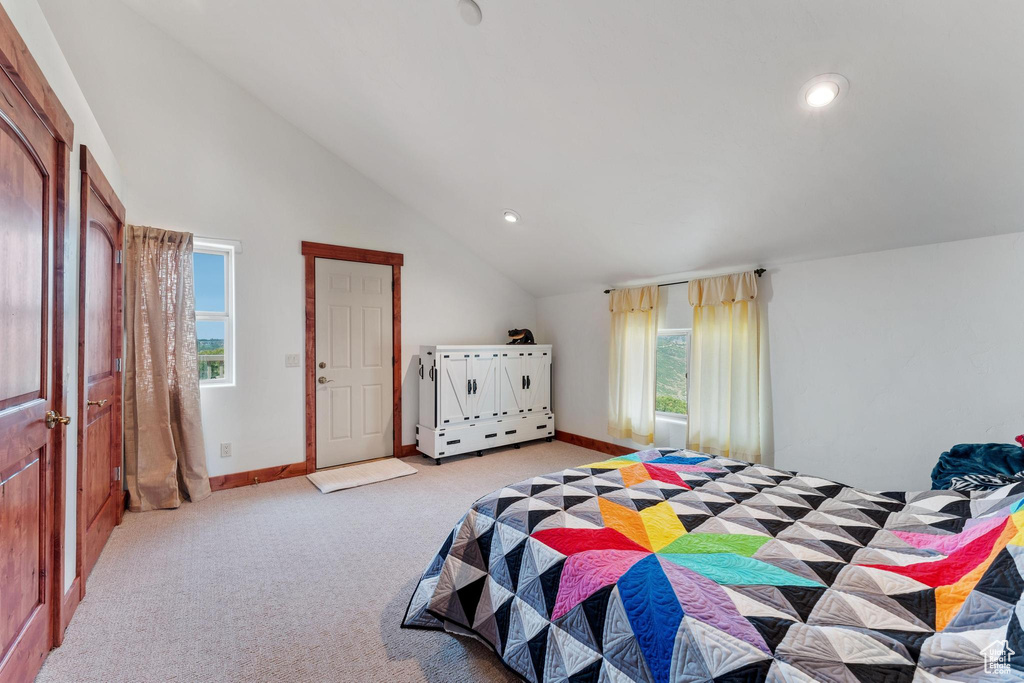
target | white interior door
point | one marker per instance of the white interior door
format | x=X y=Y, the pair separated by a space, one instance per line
x=513 y=383
x=353 y=362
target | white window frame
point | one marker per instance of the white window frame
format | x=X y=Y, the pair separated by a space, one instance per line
x=660 y=414
x=227 y=249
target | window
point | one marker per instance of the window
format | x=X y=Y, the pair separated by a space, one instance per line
x=214 y=272
x=672 y=365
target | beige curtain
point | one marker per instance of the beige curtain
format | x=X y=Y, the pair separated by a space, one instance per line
x=728 y=368
x=165 y=457
x=631 y=363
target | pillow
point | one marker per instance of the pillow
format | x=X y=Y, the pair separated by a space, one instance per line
x=979 y=466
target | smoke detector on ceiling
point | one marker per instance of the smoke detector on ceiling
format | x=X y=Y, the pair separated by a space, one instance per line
x=470 y=12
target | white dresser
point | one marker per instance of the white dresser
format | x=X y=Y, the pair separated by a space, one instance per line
x=478 y=397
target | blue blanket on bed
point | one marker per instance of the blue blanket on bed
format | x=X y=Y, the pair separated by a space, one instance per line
x=978 y=463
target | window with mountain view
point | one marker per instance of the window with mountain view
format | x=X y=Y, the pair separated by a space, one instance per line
x=213 y=274
x=672 y=357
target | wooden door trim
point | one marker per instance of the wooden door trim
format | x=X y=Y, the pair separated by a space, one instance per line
x=19 y=65
x=95 y=182
x=100 y=184
x=310 y=252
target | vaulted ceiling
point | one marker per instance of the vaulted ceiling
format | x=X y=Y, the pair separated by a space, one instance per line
x=640 y=137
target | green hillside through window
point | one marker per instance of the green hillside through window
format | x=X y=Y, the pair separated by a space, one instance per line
x=670 y=396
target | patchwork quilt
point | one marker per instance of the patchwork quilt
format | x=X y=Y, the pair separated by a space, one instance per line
x=675 y=566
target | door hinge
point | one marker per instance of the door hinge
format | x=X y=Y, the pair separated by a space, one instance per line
x=117 y=365
x=117 y=473
x=118 y=257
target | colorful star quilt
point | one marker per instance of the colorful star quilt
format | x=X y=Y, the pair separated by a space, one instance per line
x=675 y=566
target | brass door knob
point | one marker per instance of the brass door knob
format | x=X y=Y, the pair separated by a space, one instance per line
x=53 y=418
x=324 y=380
x=322 y=365
x=96 y=403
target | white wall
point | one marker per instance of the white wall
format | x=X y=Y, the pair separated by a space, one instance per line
x=200 y=154
x=879 y=362
x=579 y=327
x=31 y=24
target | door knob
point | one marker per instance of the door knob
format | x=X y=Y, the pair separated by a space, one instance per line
x=323 y=380
x=53 y=418
x=96 y=403
x=322 y=365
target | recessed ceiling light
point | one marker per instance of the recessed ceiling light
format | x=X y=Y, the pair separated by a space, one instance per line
x=823 y=90
x=511 y=216
x=470 y=12
x=822 y=93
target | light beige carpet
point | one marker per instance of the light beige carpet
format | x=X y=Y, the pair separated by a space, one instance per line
x=351 y=476
x=270 y=583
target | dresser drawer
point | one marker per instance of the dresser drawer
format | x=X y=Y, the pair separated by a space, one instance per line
x=481 y=435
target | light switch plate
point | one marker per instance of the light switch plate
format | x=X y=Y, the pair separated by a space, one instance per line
x=292 y=360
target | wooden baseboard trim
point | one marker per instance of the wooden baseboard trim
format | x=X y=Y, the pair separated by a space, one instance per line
x=408 y=450
x=593 y=444
x=230 y=481
x=71 y=601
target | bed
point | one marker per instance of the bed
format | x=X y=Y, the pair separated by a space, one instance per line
x=676 y=566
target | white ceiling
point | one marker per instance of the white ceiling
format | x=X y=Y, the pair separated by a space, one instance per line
x=640 y=138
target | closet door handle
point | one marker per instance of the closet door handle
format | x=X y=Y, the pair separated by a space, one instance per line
x=421 y=372
x=524 y=381
x=528 y=382
x=469 y=386
x=474 y=386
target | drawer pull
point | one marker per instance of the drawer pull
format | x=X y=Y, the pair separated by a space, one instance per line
x=542 y=426
x=511 y=431
x=453 y=441
x=490 y=436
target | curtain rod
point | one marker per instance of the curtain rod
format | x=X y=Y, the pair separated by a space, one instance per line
x=759 y=272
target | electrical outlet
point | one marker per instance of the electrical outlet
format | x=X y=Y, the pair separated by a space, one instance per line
x=292 y=360
x=225 y=450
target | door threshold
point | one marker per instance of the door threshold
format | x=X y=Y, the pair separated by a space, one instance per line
x=358 y=462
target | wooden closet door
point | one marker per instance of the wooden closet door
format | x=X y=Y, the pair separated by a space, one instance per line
x=30 y=164
x=99 y=351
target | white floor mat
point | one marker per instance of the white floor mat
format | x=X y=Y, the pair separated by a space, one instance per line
x=351 y=476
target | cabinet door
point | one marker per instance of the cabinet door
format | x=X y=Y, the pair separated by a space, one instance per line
x=428 y=391
x=453 y=389
x=513 y=382
x=484 y=376
x=538 y=382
